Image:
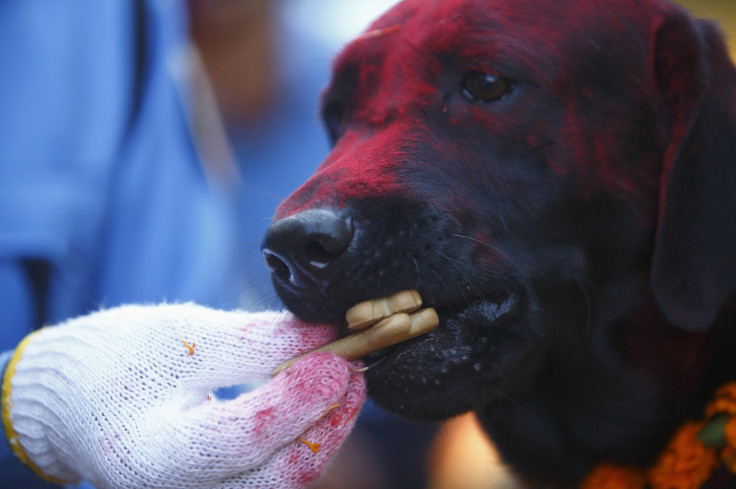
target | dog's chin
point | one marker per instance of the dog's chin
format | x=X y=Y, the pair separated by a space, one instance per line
x=460 y=365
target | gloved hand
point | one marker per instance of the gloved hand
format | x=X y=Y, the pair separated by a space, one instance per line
x=123 y=398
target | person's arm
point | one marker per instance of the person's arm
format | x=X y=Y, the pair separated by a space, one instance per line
x=123 y=398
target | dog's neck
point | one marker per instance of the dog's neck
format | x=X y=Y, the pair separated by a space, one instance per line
x=596 y=404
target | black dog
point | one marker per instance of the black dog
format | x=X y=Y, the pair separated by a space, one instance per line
x=558 y=179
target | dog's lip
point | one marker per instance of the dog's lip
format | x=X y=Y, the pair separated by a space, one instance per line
x=488 y=310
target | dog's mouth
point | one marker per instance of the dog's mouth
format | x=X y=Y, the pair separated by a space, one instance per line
x=466 y=361
x=478 y=311
x=474 y=347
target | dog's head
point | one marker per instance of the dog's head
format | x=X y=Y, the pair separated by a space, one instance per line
x=527 y=166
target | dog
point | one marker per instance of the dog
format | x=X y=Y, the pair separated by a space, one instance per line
x=557 y=178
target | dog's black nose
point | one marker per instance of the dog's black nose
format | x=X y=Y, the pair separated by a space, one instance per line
x=301 y=250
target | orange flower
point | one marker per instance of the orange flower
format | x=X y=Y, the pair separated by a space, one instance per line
x=730 y=432
x=686 y=463
x=614 y=477
x=728 y=455
x=724 y=401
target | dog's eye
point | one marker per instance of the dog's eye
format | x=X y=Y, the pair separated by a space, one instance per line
x=486 y=86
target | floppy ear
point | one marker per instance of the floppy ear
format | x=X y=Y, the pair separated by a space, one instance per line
x=694 y=263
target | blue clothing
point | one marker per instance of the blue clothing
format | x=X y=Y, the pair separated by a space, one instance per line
x=103 y=199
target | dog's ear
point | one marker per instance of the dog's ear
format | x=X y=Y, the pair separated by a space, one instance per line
x=694 y=263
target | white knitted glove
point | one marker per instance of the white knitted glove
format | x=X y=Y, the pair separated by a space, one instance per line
x=123 y=398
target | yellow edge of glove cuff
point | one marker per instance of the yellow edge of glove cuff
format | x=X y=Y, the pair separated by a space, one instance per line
x=7 y=403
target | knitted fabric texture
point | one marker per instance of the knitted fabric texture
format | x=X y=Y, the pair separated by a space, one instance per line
x=123 y=398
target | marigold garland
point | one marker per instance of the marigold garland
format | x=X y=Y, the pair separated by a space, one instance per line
x=728 y=455
x=730 y=432
x=607 y=476
x=692 y=455
x=724 y=401
x=686 y=463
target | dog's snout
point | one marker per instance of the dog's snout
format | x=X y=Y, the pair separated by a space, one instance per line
x=301 y=250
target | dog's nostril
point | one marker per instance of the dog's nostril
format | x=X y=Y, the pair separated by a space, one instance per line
x=317 y=255
x=301 y=250
x=277 y=266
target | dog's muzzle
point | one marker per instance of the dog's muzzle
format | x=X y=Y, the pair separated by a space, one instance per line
x=302 y=250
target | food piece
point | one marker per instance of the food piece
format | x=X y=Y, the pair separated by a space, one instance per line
x=422 y=322
x=389 y=331
x=369 y=312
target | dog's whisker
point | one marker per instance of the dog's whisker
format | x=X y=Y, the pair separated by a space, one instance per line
x=465 y=298
x=444 y=285
x=484 y=243
x=586 y=289
x=258 y=300
x=501 y=253
x=489 y=418
x=517 y=405
x=418 y=275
